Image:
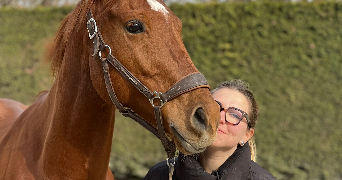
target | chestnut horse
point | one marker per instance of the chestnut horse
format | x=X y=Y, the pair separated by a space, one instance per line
x=9 y=111
x=67 y=132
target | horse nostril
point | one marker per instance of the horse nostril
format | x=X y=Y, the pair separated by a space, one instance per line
x=200 y=119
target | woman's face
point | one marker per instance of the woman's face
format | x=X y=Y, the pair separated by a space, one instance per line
x=228 y=135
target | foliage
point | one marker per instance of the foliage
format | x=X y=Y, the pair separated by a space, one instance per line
x=24 y=37
x=289 y=53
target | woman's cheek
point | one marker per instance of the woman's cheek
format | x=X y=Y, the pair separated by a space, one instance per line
x=233 y=130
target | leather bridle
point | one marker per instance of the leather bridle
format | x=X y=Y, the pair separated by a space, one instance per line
x=188 y=83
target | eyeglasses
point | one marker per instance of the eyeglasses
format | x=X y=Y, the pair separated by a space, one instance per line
x=233 y=115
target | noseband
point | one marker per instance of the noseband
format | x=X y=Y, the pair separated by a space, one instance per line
x=188 y=83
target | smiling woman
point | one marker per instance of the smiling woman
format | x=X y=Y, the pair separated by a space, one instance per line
x=230 y=156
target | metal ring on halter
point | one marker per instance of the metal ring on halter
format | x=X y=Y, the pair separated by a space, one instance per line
x=171 y=163
x=91 y=36
x=110 y=51
x=157 y=96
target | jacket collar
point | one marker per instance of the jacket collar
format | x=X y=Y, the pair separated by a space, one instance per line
x=235 y=167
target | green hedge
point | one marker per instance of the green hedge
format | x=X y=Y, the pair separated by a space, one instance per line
x=24 y=36
x=289 y=53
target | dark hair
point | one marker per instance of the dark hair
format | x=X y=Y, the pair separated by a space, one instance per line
x=242 y=87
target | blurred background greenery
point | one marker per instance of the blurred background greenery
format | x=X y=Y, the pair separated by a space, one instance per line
x=290 y=53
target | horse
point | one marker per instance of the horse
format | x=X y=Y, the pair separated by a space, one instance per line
x=107 y=55
x=9 y=111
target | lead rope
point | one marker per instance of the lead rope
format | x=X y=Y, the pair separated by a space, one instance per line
x=171 y=165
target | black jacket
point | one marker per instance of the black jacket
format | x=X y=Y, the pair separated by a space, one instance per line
x=238 y=166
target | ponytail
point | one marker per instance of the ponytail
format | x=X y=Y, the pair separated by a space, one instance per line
x=252 y=146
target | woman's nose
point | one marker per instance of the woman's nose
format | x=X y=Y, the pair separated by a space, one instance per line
x=223 y=117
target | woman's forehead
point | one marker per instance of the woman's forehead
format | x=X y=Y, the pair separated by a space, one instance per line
x=231 y=98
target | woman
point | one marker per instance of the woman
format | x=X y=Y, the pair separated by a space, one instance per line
x=229 y=157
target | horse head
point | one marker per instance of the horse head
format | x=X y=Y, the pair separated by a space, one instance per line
x=145 y=37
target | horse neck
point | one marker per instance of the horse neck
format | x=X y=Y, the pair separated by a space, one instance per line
x=81 y=125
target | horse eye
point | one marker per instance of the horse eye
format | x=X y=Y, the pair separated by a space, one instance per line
x=135 y=27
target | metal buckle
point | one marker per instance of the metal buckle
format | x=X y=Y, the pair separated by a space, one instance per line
x=110 y=51
x=171 y=163
x=157 y=96
x=91 y=36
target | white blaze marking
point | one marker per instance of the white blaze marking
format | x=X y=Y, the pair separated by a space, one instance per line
x=156 y=6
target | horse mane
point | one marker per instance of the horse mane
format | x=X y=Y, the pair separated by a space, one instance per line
x=70 y=25
x=42 y=93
